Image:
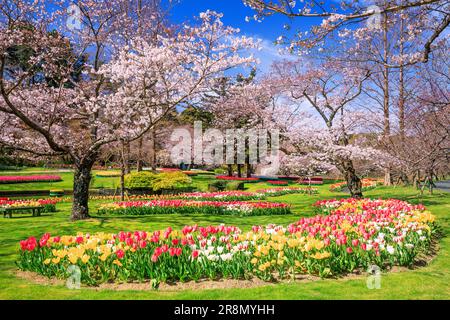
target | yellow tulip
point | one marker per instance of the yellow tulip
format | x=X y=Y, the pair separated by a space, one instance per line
x=117 y=262
x=73 y=259
x=104 y=256
x=56 y=260
x=85 y=258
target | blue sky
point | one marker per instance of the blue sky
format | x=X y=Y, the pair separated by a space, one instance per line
x=234 y=13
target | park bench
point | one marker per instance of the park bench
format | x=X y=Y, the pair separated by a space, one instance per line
x=8 y=211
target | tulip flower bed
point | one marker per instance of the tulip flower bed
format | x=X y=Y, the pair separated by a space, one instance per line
x=244 y=195
x=193 y=207
x=24 y=179
x=237 y=179
x=221 y=196
x=278 y=182
x=107 y=174
x=49 y=205
x=367 y=184
x=354 y=234
x=275 y=192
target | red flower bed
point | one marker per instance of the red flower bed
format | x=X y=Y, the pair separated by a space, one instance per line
x=22 y=179
x=236 y=178
x=293 y=178
x=47 y=204
x=278 y=182
x=190 y=207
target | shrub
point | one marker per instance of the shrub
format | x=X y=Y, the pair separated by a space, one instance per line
x=170 y=180
x=235 y=185
x=220 y=171
x=139 y=180
x=217 y=186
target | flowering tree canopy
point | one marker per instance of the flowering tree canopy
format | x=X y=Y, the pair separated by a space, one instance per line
x=429 y=18
x=125 y=88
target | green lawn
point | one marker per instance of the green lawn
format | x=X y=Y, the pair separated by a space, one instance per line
x=200 y=181
x=429 y=282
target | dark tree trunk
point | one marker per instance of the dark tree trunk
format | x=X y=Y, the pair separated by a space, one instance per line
x=122 y=183
x=248 y=166
x=230 y=170
x=354 y=184
x=152 y=149
x=404 y=178
x=126 y=159
x=249 y=170
x=81 y=181
x=123 y=171
x=239 y=170
x=139 y=159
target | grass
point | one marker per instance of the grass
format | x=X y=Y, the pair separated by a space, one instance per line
x=200 y=181
x=428 y=282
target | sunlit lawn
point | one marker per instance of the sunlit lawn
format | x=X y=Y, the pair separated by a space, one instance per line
x=422 y=283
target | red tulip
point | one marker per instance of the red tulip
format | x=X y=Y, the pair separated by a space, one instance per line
x=44 y=239
x=120 y=253
x=194 y=254
x=349 y=250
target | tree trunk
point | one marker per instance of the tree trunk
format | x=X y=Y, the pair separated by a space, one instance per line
x=152 y=149
x=249 y=170
x=123 y=171
x=139 y=159
x=354 y=184
x=248 y=166
x=127 y=158
x=387 y=177
x=230 y=170
x=239 y=170
x=81 y=181
x=404 y=178
x=386 y=96
x=122 y=183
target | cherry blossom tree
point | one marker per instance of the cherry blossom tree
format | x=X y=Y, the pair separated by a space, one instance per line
x=326 y=139
x=357 y=17
x=128 y=84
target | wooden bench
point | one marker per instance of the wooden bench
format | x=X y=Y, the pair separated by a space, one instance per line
x=8 y=211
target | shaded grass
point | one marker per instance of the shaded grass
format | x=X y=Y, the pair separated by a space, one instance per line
x=429 y=282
